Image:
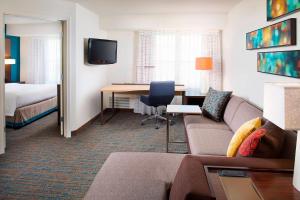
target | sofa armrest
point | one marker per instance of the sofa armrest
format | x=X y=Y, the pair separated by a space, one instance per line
x=190 y=181
x=250 y=163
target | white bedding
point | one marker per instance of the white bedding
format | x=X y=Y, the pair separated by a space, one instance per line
x=19 y=95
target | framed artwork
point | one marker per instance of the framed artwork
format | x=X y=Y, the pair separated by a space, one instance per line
x=283 y=63
x=280 y=8
x=276 y=35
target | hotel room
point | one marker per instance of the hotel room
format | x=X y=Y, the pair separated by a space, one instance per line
x=149 y=100
x=33 y=63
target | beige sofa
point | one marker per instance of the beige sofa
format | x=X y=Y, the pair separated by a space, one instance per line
x=207 y=137
x=149 y=176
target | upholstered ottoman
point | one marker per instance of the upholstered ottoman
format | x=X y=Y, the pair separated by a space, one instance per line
x=135 y=176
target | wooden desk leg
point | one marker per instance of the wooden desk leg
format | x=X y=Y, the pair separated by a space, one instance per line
x=102 y=114
x=183 y=98
x=168 y=129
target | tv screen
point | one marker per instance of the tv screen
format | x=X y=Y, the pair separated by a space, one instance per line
x=102 y=52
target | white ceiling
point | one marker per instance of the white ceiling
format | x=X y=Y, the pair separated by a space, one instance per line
x=110 y=7
x=12 y=19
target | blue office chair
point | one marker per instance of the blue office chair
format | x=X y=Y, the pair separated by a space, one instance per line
x=161 y=94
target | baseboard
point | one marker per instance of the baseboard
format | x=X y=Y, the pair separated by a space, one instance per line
x=85 y=125
x=107 y=110
x=121 y=109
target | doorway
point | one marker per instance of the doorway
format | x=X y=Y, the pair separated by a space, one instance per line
x=35 y=62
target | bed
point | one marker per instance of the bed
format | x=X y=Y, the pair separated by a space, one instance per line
x=25 y=103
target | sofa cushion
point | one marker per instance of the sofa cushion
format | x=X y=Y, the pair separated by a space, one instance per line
x=241 y=134
x=270 y=145
x=251 y=143
x=244 y=113
x=190 y=182
x=209 y=141
x=221 y=126
x=129 y=171
x=199 y=121
x=196 y=119
x=215 y=103
x=289 y=146
x=231 y=108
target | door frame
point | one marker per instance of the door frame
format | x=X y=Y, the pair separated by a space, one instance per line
x=66 y=78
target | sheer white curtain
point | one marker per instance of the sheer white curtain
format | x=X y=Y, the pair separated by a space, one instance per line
x=170 y=55
x=41 y=59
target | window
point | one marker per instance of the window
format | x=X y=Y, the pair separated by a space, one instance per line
x=170 y=55
x=41 y=59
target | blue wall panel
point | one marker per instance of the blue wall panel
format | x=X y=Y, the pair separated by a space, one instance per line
x=15 y=54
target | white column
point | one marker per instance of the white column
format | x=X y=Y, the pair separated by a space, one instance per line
x=296 y=178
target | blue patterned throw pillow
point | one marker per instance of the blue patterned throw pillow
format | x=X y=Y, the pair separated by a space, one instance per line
x=215 y=103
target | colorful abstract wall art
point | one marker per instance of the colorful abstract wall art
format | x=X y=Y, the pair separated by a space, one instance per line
x=283 y=63
x=279 y=34
x=279 y=8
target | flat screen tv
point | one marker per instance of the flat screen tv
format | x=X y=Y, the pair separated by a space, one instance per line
x=102 y=52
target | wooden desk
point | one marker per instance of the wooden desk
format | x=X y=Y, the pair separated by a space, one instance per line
x=137 y=89
x=271 y=184
x=194 y=97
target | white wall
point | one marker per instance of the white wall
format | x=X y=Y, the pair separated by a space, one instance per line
x=240 y=67
x=164 y=21
x=45 y=29
x=124 y=70
x=89 y=78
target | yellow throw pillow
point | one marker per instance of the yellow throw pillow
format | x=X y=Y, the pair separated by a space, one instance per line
x=241 y=134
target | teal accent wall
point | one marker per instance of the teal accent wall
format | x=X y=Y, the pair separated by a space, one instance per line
x=15 y=54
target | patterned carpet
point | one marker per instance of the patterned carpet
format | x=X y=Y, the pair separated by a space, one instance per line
x=40 y=164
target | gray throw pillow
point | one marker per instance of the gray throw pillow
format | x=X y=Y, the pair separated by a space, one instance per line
x=215 y=103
